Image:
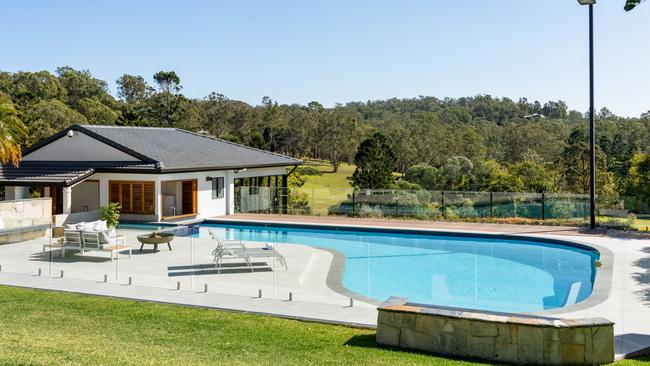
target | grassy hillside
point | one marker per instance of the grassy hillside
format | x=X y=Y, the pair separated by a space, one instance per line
x=324 y=187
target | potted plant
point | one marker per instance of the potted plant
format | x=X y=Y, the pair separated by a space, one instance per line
x=110 y=214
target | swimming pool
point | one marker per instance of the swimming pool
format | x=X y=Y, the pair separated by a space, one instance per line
x=469 y=271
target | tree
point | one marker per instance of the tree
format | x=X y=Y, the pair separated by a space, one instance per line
x=96 y=112
x=605 y=113
x=166 y=105
x=168 y=82
x=12 y=131
x=534 y=176
x=640 y=175
x=575 y=160
x=133 y=89
x=375 y=163
x=81 y=84
x=554 y=109
x=27 y=87
x=631 y=4
x=48 y=117
x=257 y=141
x=337 y=136
x=504 y=181
x=458 y=173
x=424 y=175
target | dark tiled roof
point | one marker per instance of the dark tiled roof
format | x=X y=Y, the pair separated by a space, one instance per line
x=64 y=173
x=175 y=149
x=29 y=173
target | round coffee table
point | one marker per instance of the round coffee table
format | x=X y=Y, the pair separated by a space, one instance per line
x=155 y=239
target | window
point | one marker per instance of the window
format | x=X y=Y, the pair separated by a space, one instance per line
x=217 y=188
x=134 y=197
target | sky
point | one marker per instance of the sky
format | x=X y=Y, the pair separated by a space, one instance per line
x=340 y=51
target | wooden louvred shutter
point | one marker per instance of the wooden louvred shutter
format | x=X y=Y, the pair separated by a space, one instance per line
x=126 y=198
x=114 y=193
x=134 y=197
x=138 y=199
x=148 y=198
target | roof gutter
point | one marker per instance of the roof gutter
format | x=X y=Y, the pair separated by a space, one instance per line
x=291 y=171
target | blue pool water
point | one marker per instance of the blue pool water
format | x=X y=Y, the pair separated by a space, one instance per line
x=483 y=273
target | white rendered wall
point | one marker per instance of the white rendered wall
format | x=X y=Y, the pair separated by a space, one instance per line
x=207 y=207
x=85 y=194
x=79 y=147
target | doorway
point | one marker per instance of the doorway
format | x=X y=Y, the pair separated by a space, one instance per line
x=189 y=196
x=179 y=198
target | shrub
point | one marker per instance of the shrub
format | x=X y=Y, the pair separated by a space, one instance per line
x=111 y=214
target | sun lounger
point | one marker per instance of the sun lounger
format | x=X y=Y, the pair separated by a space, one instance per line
x=240 y=251
x=234 y=244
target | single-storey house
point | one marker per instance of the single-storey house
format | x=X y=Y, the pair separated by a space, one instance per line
x=154 y=174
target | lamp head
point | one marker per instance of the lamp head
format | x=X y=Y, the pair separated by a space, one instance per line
x=586 y=2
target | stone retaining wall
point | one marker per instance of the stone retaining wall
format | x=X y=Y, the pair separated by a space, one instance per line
x=494 y=336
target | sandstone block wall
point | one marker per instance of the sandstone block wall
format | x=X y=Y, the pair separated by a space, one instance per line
x=496 y=337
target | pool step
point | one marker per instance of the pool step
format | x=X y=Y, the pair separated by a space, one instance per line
x=316 y=269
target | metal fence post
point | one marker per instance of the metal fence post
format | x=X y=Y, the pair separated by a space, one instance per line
x=442 y=204
x=543 y=206
x=354 y=203
x=396 y=205
x=285 y=194
x=491 y=205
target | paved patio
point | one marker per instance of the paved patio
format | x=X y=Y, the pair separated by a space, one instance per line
x=625 y=276
x=189 y=265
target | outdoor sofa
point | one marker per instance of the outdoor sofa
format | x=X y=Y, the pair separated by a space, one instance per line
x=91 y=236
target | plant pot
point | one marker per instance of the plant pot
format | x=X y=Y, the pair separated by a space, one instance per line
x=112 y=232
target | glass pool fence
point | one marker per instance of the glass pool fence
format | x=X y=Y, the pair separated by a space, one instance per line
x=416 y=204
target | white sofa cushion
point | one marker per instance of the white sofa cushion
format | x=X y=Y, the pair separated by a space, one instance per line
x=100 y=225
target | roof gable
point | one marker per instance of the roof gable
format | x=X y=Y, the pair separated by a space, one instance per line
x=77 y=146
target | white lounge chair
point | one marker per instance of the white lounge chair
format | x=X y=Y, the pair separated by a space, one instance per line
x=229 y=244
x=237 y=250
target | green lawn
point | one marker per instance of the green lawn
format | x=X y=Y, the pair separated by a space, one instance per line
x=43 y=327
x=324 y=187
x=54 y=328
x=642 y=224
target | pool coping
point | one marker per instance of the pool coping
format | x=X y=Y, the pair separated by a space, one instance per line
x=600 y=292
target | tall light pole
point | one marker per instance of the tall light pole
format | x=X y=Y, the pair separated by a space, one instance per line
x=592 y=122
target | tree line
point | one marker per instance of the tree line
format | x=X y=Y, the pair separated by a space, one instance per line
x=470 y=143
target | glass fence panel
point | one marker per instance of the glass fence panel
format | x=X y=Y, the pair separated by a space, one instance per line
x=416 y=204
x=566 y=206
x=161 y=256
x=328 y=201
x=243 y=260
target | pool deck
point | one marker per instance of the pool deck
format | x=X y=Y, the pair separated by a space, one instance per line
x=433 y=225
x=624 y=295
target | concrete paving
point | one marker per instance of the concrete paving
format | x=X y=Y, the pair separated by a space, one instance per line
x=352 y=316
x=189 y=265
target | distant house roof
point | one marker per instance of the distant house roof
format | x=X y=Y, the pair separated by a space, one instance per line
x=158 y=150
